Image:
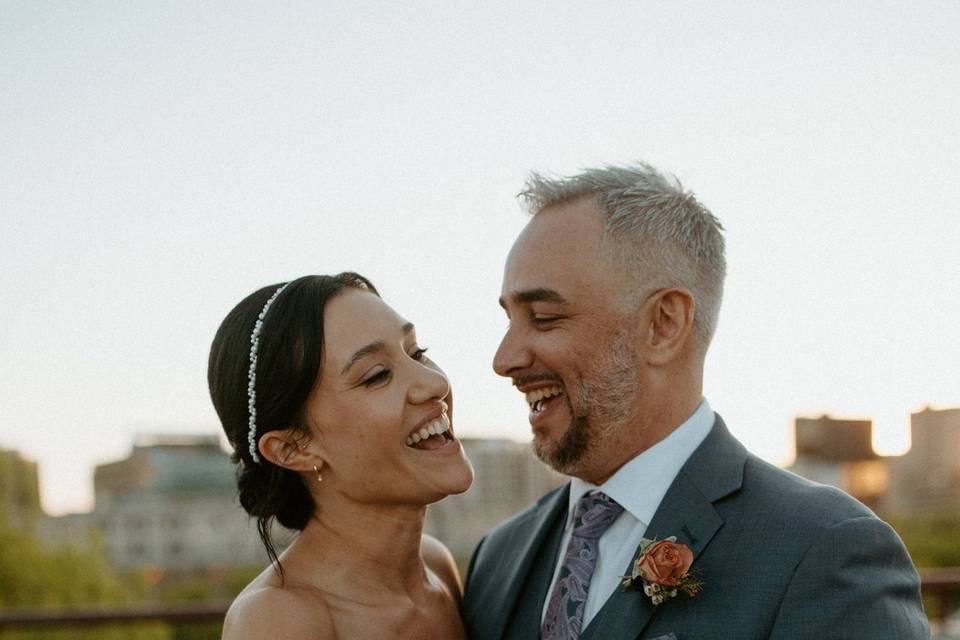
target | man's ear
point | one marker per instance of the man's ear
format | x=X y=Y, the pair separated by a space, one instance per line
x=282 y=448
x=670 y=315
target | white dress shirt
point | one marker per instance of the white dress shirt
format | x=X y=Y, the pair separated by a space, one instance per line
x=638 y=486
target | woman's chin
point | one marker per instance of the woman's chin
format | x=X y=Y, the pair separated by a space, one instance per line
x=465 y=476
x=464 y=482
x=453 y=481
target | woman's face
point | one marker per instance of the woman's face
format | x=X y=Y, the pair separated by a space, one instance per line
x=377 y=401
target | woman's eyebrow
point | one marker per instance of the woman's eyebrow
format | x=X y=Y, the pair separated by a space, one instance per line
x=373 y=347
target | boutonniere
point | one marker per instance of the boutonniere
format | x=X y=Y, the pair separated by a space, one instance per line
x=663 y=569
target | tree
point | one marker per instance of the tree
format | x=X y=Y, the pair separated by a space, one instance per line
x=35 y=576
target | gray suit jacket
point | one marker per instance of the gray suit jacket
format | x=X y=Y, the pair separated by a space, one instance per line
x=780 y=557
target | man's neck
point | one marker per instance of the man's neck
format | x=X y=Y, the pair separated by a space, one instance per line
x=643 y=432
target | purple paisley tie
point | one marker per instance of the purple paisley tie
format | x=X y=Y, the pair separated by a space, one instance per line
x=591 y=517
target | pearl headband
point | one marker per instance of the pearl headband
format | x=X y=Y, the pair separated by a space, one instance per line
x=252 y=375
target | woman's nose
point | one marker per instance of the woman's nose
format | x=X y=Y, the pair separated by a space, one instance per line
x=430 y=384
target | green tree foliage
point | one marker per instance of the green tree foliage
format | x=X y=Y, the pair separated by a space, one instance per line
x=77 y=576
x=931 y=540
x=33 y=576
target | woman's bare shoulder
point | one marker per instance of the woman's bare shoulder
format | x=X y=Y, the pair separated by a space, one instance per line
x=439 y=560
x=267 y=611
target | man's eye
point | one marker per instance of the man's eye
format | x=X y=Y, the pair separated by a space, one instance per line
x=419 y=354
x=542 y=318
x=380 y=376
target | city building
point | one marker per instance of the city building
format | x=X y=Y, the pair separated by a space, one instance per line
x=926 y=479
x=172 y=505
x=840 y=453
x=19 y=491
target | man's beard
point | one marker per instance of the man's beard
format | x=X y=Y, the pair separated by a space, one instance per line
x=603 y=404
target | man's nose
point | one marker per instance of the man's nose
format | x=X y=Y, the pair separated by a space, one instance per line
x=513 y=354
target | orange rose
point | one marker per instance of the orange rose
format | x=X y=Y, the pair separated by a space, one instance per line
x=665 y=563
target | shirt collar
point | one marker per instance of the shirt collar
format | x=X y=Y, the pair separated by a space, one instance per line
x=641 y=483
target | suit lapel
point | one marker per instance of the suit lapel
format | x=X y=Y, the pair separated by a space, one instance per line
x=713 y=471
x=525 y=621
x=506 y=602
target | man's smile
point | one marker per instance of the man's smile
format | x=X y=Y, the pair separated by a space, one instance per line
x=538 y=397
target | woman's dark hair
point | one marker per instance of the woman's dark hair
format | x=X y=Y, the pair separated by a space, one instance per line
x=288 y=366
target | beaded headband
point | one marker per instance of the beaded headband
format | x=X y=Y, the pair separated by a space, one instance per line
x=252 y=375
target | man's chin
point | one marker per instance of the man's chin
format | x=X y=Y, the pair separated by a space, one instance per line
x=559 y=455
x=544 y=450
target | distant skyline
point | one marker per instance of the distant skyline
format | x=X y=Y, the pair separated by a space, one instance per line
x=160 y=161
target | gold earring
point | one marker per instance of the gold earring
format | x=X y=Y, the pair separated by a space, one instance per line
x=319 y=477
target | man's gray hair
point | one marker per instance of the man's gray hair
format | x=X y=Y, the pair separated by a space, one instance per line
x=658 y=232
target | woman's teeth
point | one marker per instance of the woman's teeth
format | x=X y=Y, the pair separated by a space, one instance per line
x=435 y=427
x=536 y=397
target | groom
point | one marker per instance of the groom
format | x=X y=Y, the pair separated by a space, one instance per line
x=613 y=291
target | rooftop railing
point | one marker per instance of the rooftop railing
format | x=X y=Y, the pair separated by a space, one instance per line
x=201 y=611
x=941 y=586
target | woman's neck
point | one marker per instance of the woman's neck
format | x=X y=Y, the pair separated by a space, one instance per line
x=367 y=548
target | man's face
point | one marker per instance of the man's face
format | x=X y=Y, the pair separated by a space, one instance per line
x=569 y=348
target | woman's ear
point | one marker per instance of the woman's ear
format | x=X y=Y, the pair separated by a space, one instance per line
x=671 y=325
x=284 y=449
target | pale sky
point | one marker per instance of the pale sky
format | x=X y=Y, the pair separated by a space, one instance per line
x=160 y=160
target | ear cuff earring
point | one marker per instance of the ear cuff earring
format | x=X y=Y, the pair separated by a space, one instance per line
x=319 y=477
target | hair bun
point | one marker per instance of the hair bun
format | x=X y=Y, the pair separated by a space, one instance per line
x=254 y=490
x=295 y=505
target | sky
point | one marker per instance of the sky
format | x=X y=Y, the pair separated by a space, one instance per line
x=161 y=160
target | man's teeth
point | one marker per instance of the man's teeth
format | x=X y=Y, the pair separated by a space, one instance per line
x=432 y=428
x=536 y=397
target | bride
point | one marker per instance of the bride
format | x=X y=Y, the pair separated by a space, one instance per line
x=341 y=429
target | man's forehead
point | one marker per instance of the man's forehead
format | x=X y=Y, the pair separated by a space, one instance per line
x=558 y=250
x=578 y=218
x=557 y=230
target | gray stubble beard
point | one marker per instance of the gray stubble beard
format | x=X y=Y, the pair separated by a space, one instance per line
x=605 y=404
